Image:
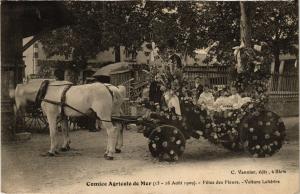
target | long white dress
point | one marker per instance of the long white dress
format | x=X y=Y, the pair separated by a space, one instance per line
x=206 y=99
x=172 y=101
x=232 y=102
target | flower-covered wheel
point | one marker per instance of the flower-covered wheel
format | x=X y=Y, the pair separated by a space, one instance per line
x=224 y=130
x=263 y=133
x=167 y=143
x=235 y=146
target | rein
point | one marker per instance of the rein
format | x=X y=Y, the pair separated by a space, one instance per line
x=61 y=85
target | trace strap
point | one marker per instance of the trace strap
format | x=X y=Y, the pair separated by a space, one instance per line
x=63 y=104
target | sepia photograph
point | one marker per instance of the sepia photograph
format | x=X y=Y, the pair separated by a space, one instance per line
x=150 y=97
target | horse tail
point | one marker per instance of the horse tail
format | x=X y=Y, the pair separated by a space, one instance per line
x=16 y=95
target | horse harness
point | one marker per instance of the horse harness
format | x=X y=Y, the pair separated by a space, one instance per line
x=42 y=93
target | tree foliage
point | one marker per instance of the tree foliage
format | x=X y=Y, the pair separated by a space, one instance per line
x=97 y=27
x=275 y=23
x=182 y=26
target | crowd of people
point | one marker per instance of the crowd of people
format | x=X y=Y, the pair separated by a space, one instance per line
x=169 y=89
x=196 y=92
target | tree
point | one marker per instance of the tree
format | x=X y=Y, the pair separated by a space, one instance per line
x=172 y=26
x=276 y=23
x=97 y=27
x=221 y=22
x=183 y=26
x=245 y=24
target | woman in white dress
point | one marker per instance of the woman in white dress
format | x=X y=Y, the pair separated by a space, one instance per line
x=206 y=99
x=234 y=101
x=172 y=99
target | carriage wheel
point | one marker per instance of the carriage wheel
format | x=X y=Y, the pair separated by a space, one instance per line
x=35 y=121
x=235 y=146
x=263 y=133
x=167 y=143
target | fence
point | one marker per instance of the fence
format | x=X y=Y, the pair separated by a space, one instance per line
x=284 y=82
x=283 y=88
x=215 y=75
x=284 y=94
x=134 y=81
x=123 y=78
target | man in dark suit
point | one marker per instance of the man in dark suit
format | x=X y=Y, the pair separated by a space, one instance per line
x=155 y=92
x=198 y=86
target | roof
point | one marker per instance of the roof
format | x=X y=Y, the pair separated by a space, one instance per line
x=35 y=17
x=112 y=69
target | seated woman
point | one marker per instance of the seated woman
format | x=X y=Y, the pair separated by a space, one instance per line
x=234 y=101
x=206 y=99
x=172 y=99
x=222 y=99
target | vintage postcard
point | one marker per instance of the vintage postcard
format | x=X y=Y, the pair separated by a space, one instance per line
x=150 y=97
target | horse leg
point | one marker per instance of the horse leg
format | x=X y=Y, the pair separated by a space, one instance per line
x=65 y=132
x=119 y=144
x=111 y=140
x=52 y=119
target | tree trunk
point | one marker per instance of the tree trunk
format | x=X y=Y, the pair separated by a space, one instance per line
x=245 y=25
x=276 y=61
x=117 y=54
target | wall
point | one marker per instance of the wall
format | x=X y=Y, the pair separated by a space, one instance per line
x=284 y=107
x=28 y=58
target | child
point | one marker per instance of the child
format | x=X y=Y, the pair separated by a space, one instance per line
x=172 y=99
x=235 y=99
x=222 y=99
x=206 y=98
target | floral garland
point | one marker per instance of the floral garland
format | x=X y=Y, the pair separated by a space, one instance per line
x=254 y=74
x=251 y=127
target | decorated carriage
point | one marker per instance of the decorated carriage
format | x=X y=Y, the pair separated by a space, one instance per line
x=248 y=127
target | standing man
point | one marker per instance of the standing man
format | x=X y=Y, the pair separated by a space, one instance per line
x=155 y=92
x=198 y=86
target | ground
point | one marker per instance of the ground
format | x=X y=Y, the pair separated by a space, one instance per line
x=25 y=170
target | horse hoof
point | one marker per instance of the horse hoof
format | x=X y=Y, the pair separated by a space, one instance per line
x=48 y=154
x=51 y=154
x=64 y=149
x=109 y=157
x=118 y=151
x=56 y=152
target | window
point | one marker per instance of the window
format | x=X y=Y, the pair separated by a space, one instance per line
x=35 y=55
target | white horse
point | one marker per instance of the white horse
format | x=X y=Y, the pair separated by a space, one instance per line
x=103 y=100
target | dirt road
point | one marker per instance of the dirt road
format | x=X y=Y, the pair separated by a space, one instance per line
x=202 y=165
